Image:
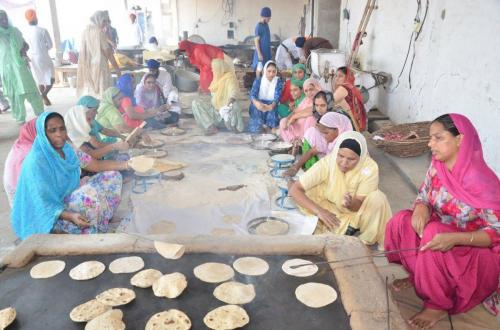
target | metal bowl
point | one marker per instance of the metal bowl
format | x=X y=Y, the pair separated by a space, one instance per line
x=253 y=224
x=280 y=146
x=187 y=81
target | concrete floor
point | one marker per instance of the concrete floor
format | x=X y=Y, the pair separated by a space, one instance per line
x=399 y=178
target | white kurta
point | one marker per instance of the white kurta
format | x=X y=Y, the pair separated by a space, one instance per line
x=164 y=80
x=283 y=59
x=132 y=36
x=41 y=64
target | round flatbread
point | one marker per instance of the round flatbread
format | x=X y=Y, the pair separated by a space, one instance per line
x=7 y=316
x=272 y=228
x=303 y=271
x=173 y=319
x=170 y=285
x=213 y=272
x=145 y=278
x=47 y=269
x=235 y=293
x=116 y=296
x=315 y=295
x=88 y=311
x=87 y=270
x=162 y=227
x=111 y=320
x=231 y=219
x=126 y=265
x=223 y=232
x=251 y=266
x=226 y=317
x=141 y=163
x=169 y=250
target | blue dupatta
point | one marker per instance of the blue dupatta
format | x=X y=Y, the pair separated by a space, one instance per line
x=46 y=179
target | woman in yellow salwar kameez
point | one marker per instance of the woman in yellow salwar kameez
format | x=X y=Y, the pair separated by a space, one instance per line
x=224 y=108
x=342 y=190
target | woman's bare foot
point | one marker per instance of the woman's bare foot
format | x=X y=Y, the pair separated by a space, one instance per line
x=401 y=284
x=427 y=318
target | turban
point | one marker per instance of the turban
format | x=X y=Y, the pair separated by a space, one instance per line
x=152 y=64
x=30 y=15
x=88 y=101
x=153 y=40
x=265 y=12
x=300 y=41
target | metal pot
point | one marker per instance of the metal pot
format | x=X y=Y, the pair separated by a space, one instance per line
x=187 y=81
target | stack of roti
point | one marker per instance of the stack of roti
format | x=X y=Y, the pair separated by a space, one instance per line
x=170 y=285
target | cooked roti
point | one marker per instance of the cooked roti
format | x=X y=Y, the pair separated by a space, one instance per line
x=169 y=250
x=271 y=228
x=170 y=285
x=116 y=296
x=126 y=265
x=88 y=311
x=226 y=317
x=47 y=269
x=173 y=319
x=213 y=272
x=303 y=271
x=87 y=270
x=111 y=320
x=145 y=278
x=7 y=316
x=235 y=293
x=315 y=295
x=251 y=266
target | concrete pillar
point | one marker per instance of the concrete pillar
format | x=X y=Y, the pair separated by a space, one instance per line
x=327 y=20
x=56 y=31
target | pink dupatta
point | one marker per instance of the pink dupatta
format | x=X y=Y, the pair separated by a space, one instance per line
x=19 y=151
x=471 y=180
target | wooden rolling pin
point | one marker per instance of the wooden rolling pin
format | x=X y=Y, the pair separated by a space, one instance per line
x=135 y=131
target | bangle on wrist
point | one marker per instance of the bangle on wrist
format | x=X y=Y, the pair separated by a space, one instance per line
x=471 y=238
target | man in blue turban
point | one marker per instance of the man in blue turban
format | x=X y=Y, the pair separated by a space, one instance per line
x=262 y=41
x=164 y=81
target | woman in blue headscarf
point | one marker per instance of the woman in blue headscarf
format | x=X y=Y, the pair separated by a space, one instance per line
x=133 y=114
x=49 y=197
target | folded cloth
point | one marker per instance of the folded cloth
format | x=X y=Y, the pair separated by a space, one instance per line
x=225 y=112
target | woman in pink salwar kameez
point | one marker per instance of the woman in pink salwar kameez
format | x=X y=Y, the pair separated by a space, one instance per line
x=455 y=224
x=292 y=128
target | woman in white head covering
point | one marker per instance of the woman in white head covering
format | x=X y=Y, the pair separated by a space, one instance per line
x=264 y=99
x=342 y=190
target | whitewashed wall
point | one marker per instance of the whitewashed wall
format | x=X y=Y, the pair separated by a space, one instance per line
x=206 y=18
x=456 y=68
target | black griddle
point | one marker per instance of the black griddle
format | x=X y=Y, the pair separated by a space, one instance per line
x=46 y=303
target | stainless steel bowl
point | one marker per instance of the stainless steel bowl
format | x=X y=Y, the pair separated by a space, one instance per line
x=187 y=81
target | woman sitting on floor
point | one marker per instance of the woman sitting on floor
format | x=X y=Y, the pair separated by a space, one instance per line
x=108 y=115
x=348 y=100
x=83 y=130
x=319 y=140
x=454 y=225
x=293 y=127
x=134 y=115
x=49 y=196
x=149 y=96
x=15 y=158
x=286 y=99
x=342 y=191
x=322 y=103
x=264 y=99
x=224 y=108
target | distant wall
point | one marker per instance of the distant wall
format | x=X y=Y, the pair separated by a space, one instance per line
x=456 y=66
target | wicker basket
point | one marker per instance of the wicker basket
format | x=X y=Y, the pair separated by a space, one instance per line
x=404 y=148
